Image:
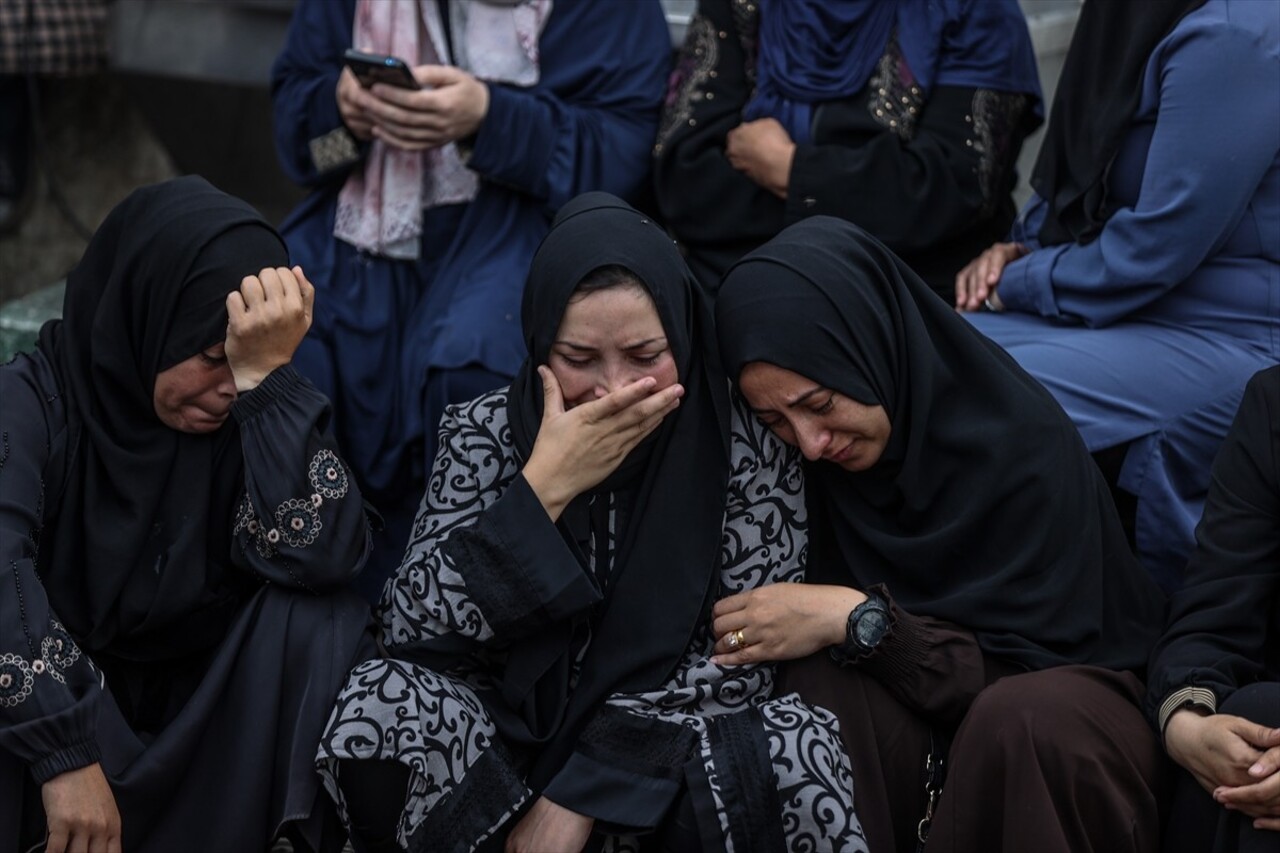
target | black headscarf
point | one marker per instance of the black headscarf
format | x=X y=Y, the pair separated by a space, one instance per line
x=1096 y=99
x=137 y=560
x=663 y=577
x=985 y=508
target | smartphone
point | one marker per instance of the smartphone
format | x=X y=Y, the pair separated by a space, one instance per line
x=371 y=68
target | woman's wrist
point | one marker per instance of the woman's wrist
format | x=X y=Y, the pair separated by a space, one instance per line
x=844 y=602
x=547 y=488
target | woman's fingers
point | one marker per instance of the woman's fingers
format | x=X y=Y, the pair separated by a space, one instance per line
x=552 y=397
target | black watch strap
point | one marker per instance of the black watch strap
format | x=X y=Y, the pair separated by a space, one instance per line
x=865 y=628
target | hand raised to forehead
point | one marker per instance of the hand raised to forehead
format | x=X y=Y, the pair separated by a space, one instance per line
x=267 y=318
x=578 y=448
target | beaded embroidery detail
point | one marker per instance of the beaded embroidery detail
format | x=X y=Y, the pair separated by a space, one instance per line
x=685 y=87
x=997 y=118
x=894 y=100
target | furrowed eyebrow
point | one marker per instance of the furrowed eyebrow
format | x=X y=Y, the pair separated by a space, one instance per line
x=817 y=389
x=643 y=344
x=627 y=348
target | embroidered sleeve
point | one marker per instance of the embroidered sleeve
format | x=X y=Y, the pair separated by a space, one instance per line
x=300 y=521
x=999 y=120
x=49 y=690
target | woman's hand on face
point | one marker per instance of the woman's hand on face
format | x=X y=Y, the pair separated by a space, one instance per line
x=782 y=621
x=353 y=100
x=977 y=282
x=763 y=151
x=266 y=320
x=81 y=812
x=550 y=828
x=578 y=448
x=450 y=106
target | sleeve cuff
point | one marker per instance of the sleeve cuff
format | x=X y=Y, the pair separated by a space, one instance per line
x=534 y=579
x=513 y=115
x=902 y=651
x=612 y=794
x=1026 y=285
x=1197 y=697
x=69 y=758
x=253 y=402
x=805 y=185
x=333 y=150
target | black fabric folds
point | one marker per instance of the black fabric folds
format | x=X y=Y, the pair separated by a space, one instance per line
x=1096 y=98
x=985 y=508
x=146 y=577
x=662 y=580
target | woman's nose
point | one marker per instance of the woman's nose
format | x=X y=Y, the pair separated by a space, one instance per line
x=813 y=441
x=612 y=378
x=227 y=382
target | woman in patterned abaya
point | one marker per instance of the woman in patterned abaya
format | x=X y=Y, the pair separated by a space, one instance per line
x=548 y=632
x=968 y=581
x=177 y=530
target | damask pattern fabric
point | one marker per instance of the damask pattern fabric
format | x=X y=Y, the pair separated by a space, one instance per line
x=708 y=727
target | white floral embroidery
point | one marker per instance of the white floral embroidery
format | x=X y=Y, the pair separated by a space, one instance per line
x=58 y=651
x=16 y=680
x=298 y=522
x=328 y=476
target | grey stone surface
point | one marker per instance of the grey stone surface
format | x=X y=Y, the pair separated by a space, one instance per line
x=21 y=318
x=98 y=149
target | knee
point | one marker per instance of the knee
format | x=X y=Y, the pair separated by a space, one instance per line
x=1258 y=702
x=1061 y=716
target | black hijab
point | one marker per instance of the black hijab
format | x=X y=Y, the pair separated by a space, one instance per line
x=663 y=577
x=1096 y=99
x=985 y=508
x=136 y=560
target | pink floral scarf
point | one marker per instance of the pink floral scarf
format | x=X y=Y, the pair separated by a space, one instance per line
x=380 y=206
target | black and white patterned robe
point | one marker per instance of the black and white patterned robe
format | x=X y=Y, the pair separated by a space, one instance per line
x=764 y=772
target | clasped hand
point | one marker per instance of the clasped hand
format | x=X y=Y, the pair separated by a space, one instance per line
x=450 y=106
x=578 y=448
x=266 y=320
x=977 y=282
x=1237 y=761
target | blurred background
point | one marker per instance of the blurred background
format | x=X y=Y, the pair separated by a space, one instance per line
x=184 y=89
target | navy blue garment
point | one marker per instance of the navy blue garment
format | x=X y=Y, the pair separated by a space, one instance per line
x=1148 y=333
x=388 y=333
x=813 y=51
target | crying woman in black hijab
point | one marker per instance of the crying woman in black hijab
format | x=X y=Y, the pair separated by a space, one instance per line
x=548 y=633
x=178 y=521
x=967 y=571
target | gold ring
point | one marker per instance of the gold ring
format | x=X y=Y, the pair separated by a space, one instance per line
x=736 y=639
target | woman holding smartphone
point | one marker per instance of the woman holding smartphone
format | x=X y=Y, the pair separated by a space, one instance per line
x=428 y=203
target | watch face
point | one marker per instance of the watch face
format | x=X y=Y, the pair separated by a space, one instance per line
x=871 y=627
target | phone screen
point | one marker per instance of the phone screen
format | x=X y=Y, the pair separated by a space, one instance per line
x=371 y=68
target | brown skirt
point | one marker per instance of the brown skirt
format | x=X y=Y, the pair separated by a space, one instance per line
x=1056 y=761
